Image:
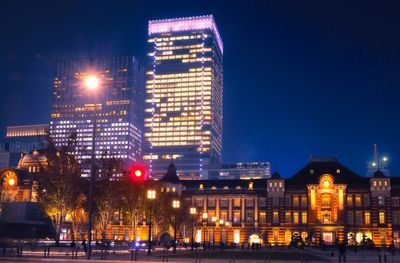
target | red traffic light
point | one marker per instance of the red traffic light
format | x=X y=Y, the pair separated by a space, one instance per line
x=138 y=173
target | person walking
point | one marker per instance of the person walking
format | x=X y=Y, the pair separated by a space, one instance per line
x=342 y=252
x=84 y=246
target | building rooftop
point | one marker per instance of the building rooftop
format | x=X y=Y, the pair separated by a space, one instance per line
x=186 y=24
x=312 y=172
x=27 y=130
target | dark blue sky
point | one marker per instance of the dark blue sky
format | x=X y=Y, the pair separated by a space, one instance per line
x=301 y=78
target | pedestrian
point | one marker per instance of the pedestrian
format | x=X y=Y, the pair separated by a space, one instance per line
x=84 y=246
x=342 y=253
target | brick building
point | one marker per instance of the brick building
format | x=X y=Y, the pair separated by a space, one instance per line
x=323 y=202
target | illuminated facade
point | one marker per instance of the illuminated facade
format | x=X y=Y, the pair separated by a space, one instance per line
x=324 y=201
x=115 y=107
x=24 y=139
x=17 y=186
x=183 y=106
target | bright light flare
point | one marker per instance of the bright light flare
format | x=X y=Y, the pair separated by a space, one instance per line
x=11 y=182
x=91 y=82
x=138 y=173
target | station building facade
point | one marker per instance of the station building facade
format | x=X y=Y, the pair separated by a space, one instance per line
x=323 y=202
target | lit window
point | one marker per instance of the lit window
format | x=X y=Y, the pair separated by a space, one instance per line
x=358 y=200
x=288 y=217
x=304 y=217
x=275 y=218
x=262 y=218
x=295 y=217
x=295 y=201
x=350 y=200
x=367 y=216
x=236 y=217
x=236 y=236
x=381 y=217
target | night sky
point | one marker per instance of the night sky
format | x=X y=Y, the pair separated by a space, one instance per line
x=301 y=78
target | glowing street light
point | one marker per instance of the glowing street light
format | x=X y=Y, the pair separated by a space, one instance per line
x=176 y=204
x=221 y=224
x=205 y=224
x=385 y=159
x=193 y=212
x=11 y=182
x=151 y=195
x=214 y=220
x=91 y=82
x=205 y=215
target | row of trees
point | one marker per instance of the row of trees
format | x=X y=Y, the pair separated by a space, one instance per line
x=63 y=192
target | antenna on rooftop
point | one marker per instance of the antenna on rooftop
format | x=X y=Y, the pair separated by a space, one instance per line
x=378 y=163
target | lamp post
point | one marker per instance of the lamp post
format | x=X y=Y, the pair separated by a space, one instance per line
x=214 y=220
x=221 y=223
x=91 y=83
x=227 y=224
x=176 y=204
x=205 y=218
x=151 y=195
x=193 y=212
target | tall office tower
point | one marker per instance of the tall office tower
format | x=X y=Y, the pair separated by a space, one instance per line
x=183 y=107
x=105 y=93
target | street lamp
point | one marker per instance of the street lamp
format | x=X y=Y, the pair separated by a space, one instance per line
x=176 y=204
x=221 y=223
x=91 y=83
x=193 y=212
x=151 y=195
x=214 y=220
x=205 y=225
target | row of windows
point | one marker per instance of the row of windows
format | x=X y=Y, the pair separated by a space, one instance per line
x=177 y=133
x=192 y=89
x=291 y=217
x=358 y=200
x=295 y=200
x=236 y=202
x=363 y=217
x=196 y=125
x=173 y=38
x=206 y=117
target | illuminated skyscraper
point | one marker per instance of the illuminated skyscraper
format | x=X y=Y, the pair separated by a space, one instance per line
x=183 y=107
x=116 y=103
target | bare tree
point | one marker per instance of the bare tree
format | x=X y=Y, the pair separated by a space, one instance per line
x=60 y=183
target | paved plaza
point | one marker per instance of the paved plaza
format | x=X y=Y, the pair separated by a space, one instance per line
x=239 y=256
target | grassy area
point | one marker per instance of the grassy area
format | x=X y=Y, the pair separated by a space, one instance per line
x=275 y=255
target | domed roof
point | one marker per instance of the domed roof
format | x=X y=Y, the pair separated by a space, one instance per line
x=276 y=175
x=171 y=176
x=379 y=174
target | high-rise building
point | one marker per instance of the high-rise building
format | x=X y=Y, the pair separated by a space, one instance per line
x=113 y=106
x=183 y=106
x=24 y=139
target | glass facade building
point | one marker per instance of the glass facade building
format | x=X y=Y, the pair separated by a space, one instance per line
x=183 y=105
x=115 y=108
